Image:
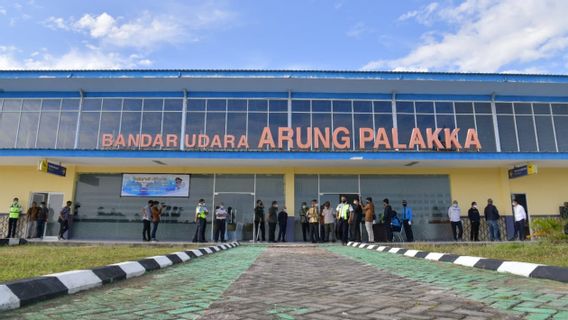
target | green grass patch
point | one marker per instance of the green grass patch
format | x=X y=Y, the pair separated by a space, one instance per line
x=543 y=252
x=25 y=261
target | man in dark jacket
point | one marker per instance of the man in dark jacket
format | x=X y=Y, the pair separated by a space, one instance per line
x=387 y=219
x=272 y=219
x=492 y=217
x=357 y=217
x=282 y=222
x=474 y=221
x=259 y=220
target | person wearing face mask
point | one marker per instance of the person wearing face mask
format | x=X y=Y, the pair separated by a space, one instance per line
x=13 y=216
x=259 y=220
x=220 y=219
x=454 y=213
x=344 y=210
x=282 y=222
x=520 y=215
x=201 y=213
x=474 y=220
x=272 y=220
x=407 y=221
x=388 y=214
x=355 y=221
x=313 y=218
x=304 y=221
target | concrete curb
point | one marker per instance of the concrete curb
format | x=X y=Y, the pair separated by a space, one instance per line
x=525 y=269
x=19 y=293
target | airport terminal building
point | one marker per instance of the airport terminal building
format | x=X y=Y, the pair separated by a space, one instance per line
x=110 y=140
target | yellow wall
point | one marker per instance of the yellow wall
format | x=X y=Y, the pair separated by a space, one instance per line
x=545 y=191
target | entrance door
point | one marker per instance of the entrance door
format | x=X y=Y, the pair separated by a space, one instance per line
x=242 y=208
x=54 y=204
x=522 y=201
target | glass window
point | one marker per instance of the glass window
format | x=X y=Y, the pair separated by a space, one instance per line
x=305 y=189
x=383 y=121
x=110 y=123
x=424 y=107
x=342 y=106
x=270 y=187
x=545 y=133
x=300 y=105
x=463 y=107
x=405 y=126
x=28 y=130
x=321 y=106
x=216 y=105
x=277 y=120
x=132 y=105
x=507 y=133
x=31 y=105
x=173 y=105
x=51 y=105
x=444 y=107
x=215 y=124
x=343 y=120
x=172 y=125
x=504 y=108
x=67 y=129
x=237 y=105
x=89 y=130
x=404 y=107
x=482 y=107
x=523 y=108
x=9 y=125
x=258 y=105
x=196 y=105
x=301 y=120
x=12 y=105
x=445 y=121
x=152 y=123
x=47 y=130
x=256 y=123
x=278 y=105
x=322 y=121
x=362 y=121
x=541 y=108
x=561 y=132
x=70 y=104
x=92 y=104
x=234 y=183
x=237 y=125
x=362 y=106
x=339 y=184
x=382 y=106
x=153 y=104
x=195 y=123
x=486 y=132
x=130 y=123
x=112 y=104
x=525 y=129
x=425 y=121
x=556 y=109
x=464 y=122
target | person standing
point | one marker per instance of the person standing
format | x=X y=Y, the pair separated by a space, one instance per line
x=369 y=210
x=407 y=221
x=156 y=217
x=147 y=220
x=355 y=221
x=387 y=218
x=272 y=220
x=520 y=220
x=42 y=215
x=282 y=223
x=32 y=220
x=454 y=213
x=313 y=219
x=64 y=220
x=474 y=221
x=13 y=216
x=304 y=221
x=492 y=217
x=201 y=213
x=344 y=210
x=329 y=222
x=259 y=220
x=220 y=222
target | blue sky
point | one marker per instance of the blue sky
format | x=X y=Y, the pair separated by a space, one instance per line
x=528 y=36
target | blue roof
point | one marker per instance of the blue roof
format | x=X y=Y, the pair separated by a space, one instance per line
x=291 y=74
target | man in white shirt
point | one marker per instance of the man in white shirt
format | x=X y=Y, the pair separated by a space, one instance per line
x=520 y=220
x=220 y=218
x=454 y=213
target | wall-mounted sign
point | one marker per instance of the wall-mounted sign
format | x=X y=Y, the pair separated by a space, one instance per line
x=284 y=138
x=523 y=171
x=155 y=185
x=49 y=167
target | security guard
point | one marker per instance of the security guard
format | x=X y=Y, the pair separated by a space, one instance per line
x=344 y=210
x=201 y=213
x=313 y=217
x=14 y=215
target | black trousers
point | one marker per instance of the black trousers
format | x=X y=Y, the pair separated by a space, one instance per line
x=262 y=230
x=314 y=232
x=388 y=231
x=355 y=231
x=305 y=230
x=63 y=227
x=520 y=230
x=146 y=230
x=457 y=230
x=272 y=231
x=474 y=234
x=219 y=230
x=322 y=232
x=12 y=227
x=199 y=235
x=408 y=230
x=343 y=227
x=40 y=228
x=281 y=232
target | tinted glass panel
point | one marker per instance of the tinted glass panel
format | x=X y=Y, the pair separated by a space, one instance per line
x=173 y=105
x=560 y=108
x=92 y=104
x=343 y=120
x=237 y=105
x=507 y=133
x=465 y=122
x=300 y=105
x=47 y=130
x=277 y=120
x=383 y=121
x=89 y=130
x=321 y=106
x=341 y=106
x=216 y=105
x=196 y=105
x=382 y=106
x=545 y=133
x=561 y=132
x=12 y=105
x=486 y=132
x=425 y=121
x=130 y=123
x=153 y=104
x=405 y=126
x=482 y=107
x=504 y=108
x=70 y=104
x=152 y=123
x=527 y=138
x=257 y=122
x=362 y=106
x=110 y=122
x=237 y=124
x=172 y=124
x=215 y=123
x=195 y=123
x=32 y=105
x=424 y=107
x=112 y=104
x=445 y=121
x=523 y=108
x=51 y=105
x=67 y=128
x=278 y=105
x=362 y=121
x=9 y=125
x=258 y=105
x=404 y=106
x=464 y=107
x=322 y=121
x=28 y=129
x=541 y=108
x=444 y=107
x=132 y=105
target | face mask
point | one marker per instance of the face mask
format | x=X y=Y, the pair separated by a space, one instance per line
x=475 y=206
x=455 y=205
x=221 y=207
x=303 y=206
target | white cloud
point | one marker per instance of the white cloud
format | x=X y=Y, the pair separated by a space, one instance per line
x=424 y=15
x=489 y=36
x=357 y=30
x=3 y=11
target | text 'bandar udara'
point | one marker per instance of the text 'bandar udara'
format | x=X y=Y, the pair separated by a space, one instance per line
x=304 y=138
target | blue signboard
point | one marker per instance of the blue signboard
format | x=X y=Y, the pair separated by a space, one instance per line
x=155 y=185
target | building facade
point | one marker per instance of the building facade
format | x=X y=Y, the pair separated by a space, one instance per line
x=286 y=136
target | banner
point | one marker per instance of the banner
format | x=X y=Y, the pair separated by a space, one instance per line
x=155 y=185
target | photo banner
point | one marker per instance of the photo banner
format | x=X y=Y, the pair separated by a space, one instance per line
x=155 y=185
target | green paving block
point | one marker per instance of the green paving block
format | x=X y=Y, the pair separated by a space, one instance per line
x=562 y=315
x=535 y=310
x=537 y=316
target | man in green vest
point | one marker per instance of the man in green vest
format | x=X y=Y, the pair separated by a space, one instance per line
x=13 y=216
x=201 y=213
x=344 y=210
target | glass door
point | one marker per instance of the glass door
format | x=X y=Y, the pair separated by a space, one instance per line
x=241 y=206
x=54 y=204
